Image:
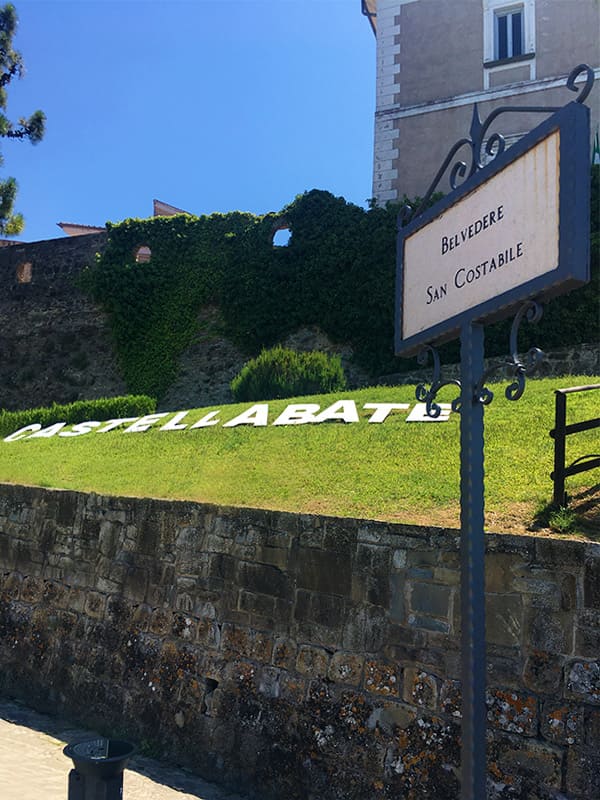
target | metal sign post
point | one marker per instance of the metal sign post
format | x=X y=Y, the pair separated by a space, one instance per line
x=514 y=233
x=472 y=560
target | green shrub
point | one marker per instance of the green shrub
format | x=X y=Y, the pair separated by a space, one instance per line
x=279 y=373
x=79 y=411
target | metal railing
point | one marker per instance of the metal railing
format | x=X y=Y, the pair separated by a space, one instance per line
x=559 y=434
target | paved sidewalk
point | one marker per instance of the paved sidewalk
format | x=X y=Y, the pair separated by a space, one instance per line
x=33 y=767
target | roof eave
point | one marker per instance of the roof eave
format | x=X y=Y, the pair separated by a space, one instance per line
x=369 y=9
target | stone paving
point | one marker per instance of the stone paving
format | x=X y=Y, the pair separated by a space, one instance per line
x=33 y=767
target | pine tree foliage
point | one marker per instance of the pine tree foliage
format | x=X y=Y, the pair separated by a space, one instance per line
x=31 y=128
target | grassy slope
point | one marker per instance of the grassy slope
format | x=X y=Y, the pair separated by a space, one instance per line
x=394 y=471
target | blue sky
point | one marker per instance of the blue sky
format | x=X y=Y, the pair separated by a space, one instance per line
x=210 y=105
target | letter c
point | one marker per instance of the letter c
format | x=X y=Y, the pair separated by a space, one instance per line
x=23 y=432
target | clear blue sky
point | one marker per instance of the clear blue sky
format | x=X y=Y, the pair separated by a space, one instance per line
x=210 y=105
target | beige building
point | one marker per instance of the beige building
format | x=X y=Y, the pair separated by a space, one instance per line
x=436 y=58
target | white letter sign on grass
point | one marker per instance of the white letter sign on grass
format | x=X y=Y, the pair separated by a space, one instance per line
x=257 y=416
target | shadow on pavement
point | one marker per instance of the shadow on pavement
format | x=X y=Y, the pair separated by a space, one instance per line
x=173 y=780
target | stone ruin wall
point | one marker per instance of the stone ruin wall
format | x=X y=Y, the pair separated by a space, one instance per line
x=55 y=343
x=300 y=657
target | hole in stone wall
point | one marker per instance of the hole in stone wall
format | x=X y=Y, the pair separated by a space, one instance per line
x=24 y=272
x=143 y=254
x=282 y=236
x=209 y=687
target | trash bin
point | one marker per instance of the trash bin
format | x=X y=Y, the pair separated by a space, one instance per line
x=99 y=765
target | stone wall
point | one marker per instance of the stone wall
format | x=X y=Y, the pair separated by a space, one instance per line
x=54 y=266
x=304 y=657
x=54 y=342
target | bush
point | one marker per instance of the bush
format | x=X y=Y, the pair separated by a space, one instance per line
x=279 y=373
x=79 y=411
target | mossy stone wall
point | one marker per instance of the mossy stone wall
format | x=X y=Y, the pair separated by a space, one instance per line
x=300 y=656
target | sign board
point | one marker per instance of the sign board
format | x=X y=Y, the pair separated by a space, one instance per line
x=517 y=230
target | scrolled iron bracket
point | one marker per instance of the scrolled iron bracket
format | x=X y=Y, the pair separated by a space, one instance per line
x=461 y=170
x=532 y=312
x=405 y=215
x=427 y=395
x=589 y=82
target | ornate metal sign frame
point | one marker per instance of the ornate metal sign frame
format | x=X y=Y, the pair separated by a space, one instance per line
x=572 y=270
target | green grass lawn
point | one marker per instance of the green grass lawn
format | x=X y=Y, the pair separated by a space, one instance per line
x=401 y=471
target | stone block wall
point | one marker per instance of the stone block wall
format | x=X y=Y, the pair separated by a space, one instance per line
x=54 y=264
x=300 y=657
x=55 y=344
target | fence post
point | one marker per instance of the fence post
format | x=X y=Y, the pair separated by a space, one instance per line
x=560 y=422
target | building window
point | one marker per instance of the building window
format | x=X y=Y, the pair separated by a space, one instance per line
x=508 y=42
x=508 y=33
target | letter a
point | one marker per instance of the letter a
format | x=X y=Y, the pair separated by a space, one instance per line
x=344 y=410
x=51 y=430
x=257 y=415
x=298 y=414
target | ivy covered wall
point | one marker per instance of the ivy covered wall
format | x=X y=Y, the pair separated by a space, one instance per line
x=337 y=272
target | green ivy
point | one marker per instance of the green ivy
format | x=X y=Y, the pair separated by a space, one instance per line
x=337 y=272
